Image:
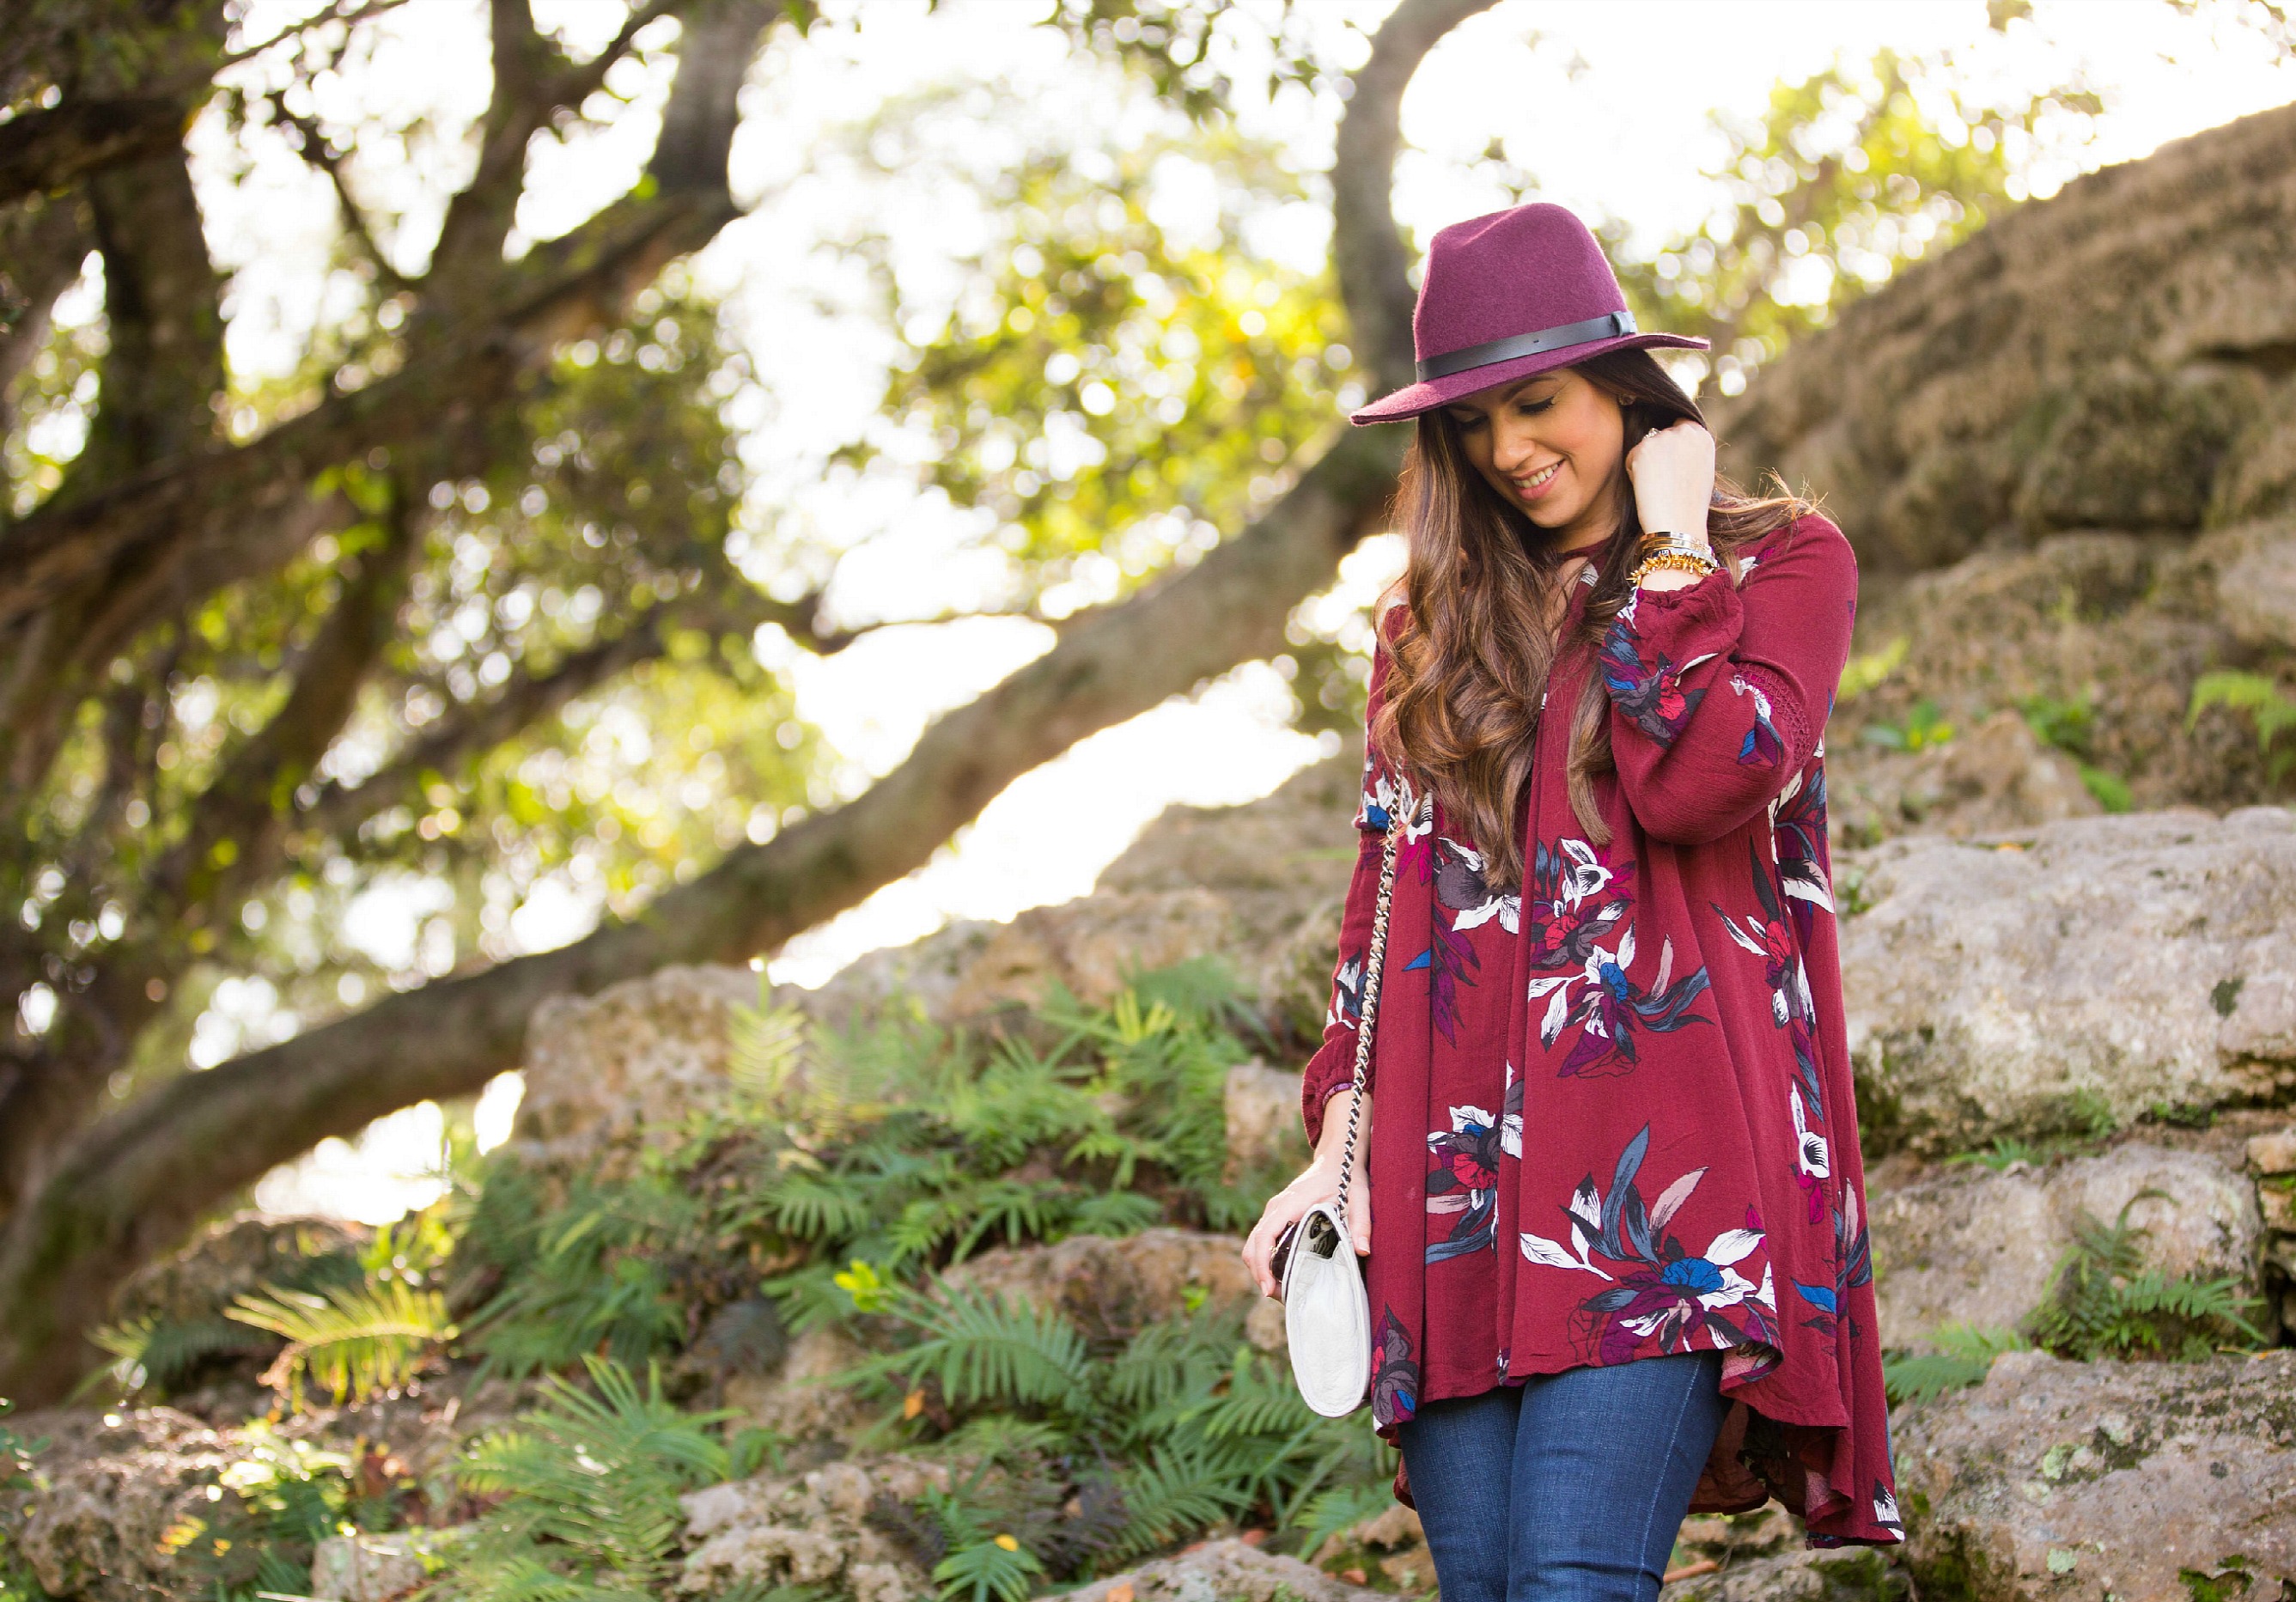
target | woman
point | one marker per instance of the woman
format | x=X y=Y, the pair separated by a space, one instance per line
x=1610 y=1188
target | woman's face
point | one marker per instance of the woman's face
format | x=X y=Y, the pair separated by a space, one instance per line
x=1552 y=445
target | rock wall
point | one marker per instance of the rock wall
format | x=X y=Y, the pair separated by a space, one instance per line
x=1970 y=1246
x=2090 y=973
x=2129 y=1480
x=2115 y=356
x=2065 y=451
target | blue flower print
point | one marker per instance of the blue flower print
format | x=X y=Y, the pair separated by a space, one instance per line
x=1611 y=1008
x=1655 y=1290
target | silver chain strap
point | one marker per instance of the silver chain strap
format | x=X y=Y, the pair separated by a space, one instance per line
x=1374 y=965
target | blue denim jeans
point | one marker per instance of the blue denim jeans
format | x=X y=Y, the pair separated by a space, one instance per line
x=1566 y=1487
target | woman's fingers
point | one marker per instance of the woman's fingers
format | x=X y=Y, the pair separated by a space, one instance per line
x=1318 y=1184
x=1256 y=1251
x=1259 y=1245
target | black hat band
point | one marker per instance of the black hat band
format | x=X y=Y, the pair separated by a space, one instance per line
x=1493 y=351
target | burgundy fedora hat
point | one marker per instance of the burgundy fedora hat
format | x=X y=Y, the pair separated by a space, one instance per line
x=1507 y=295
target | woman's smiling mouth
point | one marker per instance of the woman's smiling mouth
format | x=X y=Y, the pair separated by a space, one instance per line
x=1531 y=486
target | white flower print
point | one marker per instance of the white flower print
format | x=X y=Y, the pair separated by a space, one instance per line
x=1583 y=874
x=1347 y=994
x=1385 y=797
x=1811 y=1153
x=1885 y=1507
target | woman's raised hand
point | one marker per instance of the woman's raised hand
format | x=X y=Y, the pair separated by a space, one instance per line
x=1319 y=1181
x=1672 y=470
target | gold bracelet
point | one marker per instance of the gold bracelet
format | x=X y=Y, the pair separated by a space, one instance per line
x=1683 y=560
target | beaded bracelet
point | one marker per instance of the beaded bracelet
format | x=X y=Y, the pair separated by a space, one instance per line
x=1688 y=562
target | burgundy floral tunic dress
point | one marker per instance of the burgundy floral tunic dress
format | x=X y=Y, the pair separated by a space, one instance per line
x=1611 y=1113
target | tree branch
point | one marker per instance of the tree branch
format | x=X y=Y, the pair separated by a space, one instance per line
x=1367 y=248
x=533 y=82
x=521 y=704
x=249 y=804
x=41 y=246
x=318 y=151
x=45 y=152
x=204 y=518
x=238 y=825
x=163 y=311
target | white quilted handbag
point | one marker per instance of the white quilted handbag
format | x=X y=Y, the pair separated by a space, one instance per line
x=1326 y=1318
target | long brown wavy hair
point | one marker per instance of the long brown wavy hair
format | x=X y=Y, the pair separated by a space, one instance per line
x=1470 y=656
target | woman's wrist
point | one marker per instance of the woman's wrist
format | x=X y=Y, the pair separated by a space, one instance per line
x=1673 y=560
x=1663 y=578
x=1681 y=537
x=1334 y=1139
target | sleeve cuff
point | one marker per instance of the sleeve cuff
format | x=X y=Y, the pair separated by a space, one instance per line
x=1712 y=599
x=1315 y=1093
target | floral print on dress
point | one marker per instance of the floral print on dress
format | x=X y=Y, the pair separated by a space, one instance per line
x=1383 y=800
x=1573 y=904
x=1462 y=1184
x=1448 y=955
x=1793 y=1007
x=1394 y=1373
x=1656 y=1291
x=1798 y=840
x=1761 y=743
x=1612 y=1007
x=1885 y=1508
x=1460 y=887
x=1346 y=1006
x=1853 y=1266
x=1649 y=693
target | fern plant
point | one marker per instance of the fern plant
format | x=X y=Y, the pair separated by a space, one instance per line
x=1963 y=1358
x=2103 y=1302
x=590 y=1276
x=2271 y=712
x=982 y=1348
x=1179 y=1426
x=355 y=1342
x=587 y=1487
x=154 y=1353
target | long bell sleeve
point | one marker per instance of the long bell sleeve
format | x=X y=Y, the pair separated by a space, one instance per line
x=1720 y=691
x=1331 y=1068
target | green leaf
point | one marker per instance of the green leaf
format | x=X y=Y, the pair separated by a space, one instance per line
x=354 y=1343
x=999 y=1569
